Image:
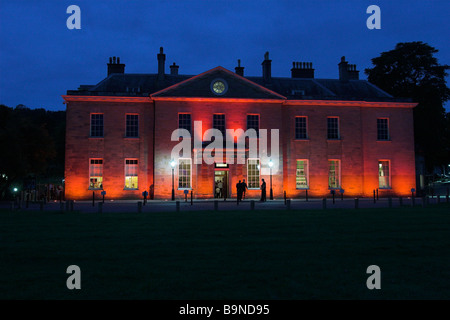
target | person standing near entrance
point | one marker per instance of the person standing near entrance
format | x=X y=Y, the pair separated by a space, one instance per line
x=244 y=188
x=220 y=186
x=239 y=190
x=263 y=190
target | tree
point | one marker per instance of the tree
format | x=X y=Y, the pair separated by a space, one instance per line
x=412 y=71
x=31 y=143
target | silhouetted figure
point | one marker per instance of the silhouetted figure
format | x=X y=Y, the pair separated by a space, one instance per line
x=244 y=188
x=263 y=190
x=239 y=190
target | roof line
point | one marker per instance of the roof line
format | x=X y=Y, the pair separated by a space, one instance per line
x=222 y=69
x=374 y=86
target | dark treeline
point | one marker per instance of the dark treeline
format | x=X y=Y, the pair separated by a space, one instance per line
x=32 y=148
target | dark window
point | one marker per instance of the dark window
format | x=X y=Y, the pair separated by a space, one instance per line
x=96 y=125
x=132 y=128
x=333 y=127
x=300 y=128
x=383 y=129
x=184 y=121
x=253 y=123
x=219 y=123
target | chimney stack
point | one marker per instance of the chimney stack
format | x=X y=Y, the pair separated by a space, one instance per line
x=267 y=68
x=302 y=70
x=343 y=69
x=174 y=69
x=347 y=71
x=239 y=70
x=161 y=61
x=114 y=66
x=353 y=74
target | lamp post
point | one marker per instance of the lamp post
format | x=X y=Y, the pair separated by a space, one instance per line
x=271 y=191
x=172 y=164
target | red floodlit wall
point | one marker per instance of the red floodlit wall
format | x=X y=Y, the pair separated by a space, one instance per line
x=113 y=148
x=203 y=174
x=357 y=149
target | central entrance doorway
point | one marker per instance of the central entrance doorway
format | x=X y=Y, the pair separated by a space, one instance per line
x=221 y=184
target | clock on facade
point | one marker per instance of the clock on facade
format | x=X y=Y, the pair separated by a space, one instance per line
x=219 y=86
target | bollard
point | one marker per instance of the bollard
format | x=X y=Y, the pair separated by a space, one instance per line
x=139 y=204
x=374 y=199
x=252 y=205
x=324 y=203
x=41 y=205
x=306 y=194
x=93 y=198
x=413 y=201
x=400 y=201
x=191 y=199
x=177 y=206
x=377 y=194
x=185 y=196
x=288 y=204
x=333 y=193
x=284 y=197
x=216 y=205
x=356 y=203
x=100 y=207
x=438 y=199
x=390 y=202
x=61 y=207
x=71 y=205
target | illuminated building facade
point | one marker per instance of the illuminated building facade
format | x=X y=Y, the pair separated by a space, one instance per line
x=334 y=134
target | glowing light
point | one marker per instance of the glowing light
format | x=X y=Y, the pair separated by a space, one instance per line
x=172 y=164
x=15 y=189
x=270 y=163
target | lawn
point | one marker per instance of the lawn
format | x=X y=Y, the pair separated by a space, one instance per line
x=227 y=255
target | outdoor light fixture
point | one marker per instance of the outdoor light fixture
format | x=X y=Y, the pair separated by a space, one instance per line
x=15 y=189
x=172 y=164
x=271 y=191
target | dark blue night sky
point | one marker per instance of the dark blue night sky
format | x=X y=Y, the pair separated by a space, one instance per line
x=40 y=58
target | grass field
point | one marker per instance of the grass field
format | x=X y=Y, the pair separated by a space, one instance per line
x=227 y=255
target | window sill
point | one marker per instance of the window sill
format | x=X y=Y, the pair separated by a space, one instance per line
x=387 y=188
x=305 y=139
x=131 y=138
x=95 y=189
x=184 y=189
x=384 y=140
x=90 y=137
x=338 y=139
x=253 y=188
x=306 y=188
x=131 y=189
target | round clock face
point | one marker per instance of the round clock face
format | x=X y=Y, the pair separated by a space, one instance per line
x=219 y=86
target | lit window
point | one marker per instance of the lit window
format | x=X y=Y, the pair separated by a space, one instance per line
x=184 y=121
x=253 y=123
x=95 y=173
x=184 y=173
x=132 y=126
x=383 y=129
x=131 y=173
x=384 y=174
x=253 y=173
x=334 y=174
x=219 y=123
x=97 y=125
x=302 y=174
x=300 y=128
x=333 y=128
